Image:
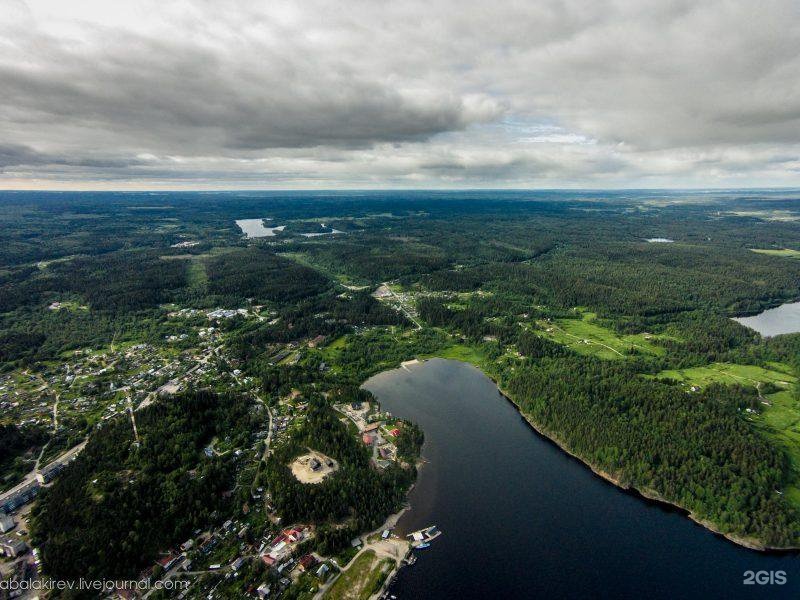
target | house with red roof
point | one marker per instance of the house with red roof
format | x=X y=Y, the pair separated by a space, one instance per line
x=168 y=561
x=268 y=560
x=293 y=534
x=307 y=562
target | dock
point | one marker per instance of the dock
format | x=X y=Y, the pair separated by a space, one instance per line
x=424 y=536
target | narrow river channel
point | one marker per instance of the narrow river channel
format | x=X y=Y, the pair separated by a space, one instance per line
x=522 y=519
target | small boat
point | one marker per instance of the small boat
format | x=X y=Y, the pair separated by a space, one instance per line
x=423 y=545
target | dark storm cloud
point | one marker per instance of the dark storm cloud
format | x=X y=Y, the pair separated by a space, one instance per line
x=180 y=97
x=12 y=155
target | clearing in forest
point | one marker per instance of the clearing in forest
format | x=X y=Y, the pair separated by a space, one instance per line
x=729 y=373
x=785 y=252
x=585 y=336
x=313 y=467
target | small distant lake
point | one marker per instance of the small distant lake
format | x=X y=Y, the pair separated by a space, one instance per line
x=775 y=321
x=659 y=240
x=255 y=228
x=522 y=519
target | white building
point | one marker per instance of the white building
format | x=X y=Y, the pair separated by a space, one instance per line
x=6 y=523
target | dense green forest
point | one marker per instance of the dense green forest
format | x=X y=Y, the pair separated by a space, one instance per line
x=120 y=502
x=15 y=444
x=694 y=450
x=112 y=253
x=261 y=275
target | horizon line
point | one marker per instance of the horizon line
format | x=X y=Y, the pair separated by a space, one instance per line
x=398 y=189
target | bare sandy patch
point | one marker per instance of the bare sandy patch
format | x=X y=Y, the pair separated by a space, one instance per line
x=313 y=467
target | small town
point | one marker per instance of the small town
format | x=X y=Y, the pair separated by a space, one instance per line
x=93 y=387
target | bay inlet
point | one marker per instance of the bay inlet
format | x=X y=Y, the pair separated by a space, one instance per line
x=520 y=517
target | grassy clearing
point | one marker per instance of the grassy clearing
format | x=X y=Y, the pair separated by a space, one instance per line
x=196 y=275
x=460 y=352
x=304 y=260
x=729 y=373
x=361 y=579
x=780 y=423
x=333 y=351
x=784 y=252
x=290 y=359
x=585 y=336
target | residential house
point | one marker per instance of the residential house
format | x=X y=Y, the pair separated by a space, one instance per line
x=307 y=562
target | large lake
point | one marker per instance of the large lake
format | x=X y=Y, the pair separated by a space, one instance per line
x=523 y=519
x=775 y=321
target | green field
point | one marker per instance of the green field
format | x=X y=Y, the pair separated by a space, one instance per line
x=362 y=578
x=332 y=353
x=460 y=352
x=785 y=252
x=334 y=349
x=728 y=373
x=780 y=422
x=585 y=336
x=290 y=359
x=196 y=275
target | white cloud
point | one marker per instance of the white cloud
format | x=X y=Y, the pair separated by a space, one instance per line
x=363 y=93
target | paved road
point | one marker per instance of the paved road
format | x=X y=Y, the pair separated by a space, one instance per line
x=31 y=477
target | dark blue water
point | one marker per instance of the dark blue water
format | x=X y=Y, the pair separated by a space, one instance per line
x=523 y=519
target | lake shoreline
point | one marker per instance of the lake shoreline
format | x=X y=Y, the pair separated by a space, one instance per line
x=643 y=494
x=781 y=319
x=648 y=495
x=770 y=305
x=391 y=524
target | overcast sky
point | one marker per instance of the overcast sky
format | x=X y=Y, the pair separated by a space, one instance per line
x=400 y=94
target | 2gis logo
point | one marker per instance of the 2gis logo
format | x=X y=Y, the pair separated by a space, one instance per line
x=764 y=577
